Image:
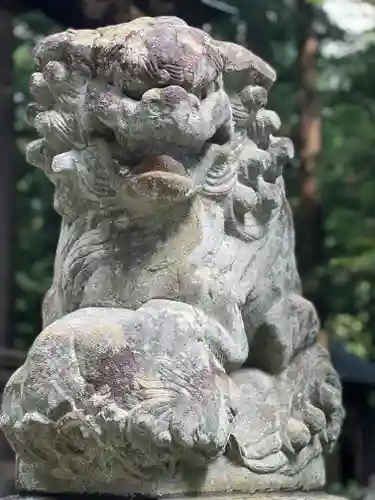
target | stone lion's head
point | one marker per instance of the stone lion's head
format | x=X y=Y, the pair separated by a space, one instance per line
x=143 y=115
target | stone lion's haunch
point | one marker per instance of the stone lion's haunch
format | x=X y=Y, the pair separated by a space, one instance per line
x=178 y=354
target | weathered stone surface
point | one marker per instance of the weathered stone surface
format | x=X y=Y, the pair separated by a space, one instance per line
x=178 y=355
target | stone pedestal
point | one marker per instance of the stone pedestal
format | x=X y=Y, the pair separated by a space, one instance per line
x=232 y=496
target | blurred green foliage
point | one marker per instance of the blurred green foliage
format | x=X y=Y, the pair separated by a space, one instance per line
x=37 y=223
x=345 y=173
x=347 y=184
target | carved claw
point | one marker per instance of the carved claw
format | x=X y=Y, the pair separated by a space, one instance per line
x=330 y=403
x=182 y=426
x=314 y=418
x=298 y=434
x=269 y=459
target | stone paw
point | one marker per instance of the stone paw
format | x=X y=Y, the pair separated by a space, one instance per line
x=201 y=429
x=178 y=427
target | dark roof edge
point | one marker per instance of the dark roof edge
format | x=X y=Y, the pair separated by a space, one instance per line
x=222 y=6
x=351 y=368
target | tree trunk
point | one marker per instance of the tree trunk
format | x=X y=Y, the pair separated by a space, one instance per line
x=7 y=190
x=309 y=224
x=7 y=168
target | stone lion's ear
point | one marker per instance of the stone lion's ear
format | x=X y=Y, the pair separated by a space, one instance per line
x=242 y=67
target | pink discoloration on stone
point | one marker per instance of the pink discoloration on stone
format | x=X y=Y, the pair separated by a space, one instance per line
x=116 y=372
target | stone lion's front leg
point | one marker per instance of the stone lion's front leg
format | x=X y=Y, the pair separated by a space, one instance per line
x=147 y=389
x=285 y=421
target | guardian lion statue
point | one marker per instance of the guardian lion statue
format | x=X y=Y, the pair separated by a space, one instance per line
x=178 y=354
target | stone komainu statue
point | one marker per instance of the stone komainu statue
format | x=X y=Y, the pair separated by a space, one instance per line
x=178 y=354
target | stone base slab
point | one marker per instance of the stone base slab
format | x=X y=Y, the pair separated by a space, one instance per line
x=233 y=496
x=220 y=478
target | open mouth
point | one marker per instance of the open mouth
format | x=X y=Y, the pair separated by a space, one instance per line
x=162 y=163
x=160 y=178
